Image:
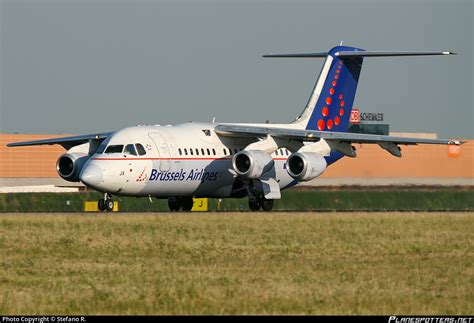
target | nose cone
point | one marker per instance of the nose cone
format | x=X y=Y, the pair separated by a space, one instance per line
x=92 y=175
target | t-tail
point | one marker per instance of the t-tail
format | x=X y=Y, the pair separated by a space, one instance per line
x=330 y=104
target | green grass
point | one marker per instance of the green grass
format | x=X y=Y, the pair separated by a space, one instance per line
x=396 y=200
x=356 y=263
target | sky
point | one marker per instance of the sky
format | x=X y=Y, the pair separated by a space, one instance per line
x=100 y=65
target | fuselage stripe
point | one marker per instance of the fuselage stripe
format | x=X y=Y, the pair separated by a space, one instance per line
x=222 y=158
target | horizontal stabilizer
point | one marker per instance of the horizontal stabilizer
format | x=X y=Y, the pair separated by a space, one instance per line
x=389 y=54
x=348 y=54
x=304 y=55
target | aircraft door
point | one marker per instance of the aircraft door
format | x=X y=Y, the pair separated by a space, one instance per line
x=163 y=151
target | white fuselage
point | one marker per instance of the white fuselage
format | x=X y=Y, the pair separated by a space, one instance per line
x=183 y=160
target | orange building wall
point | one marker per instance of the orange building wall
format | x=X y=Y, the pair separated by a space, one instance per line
x=416 y=161
x=371 y=161
x=33 y=161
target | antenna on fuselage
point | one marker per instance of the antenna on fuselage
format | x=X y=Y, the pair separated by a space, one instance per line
x=214 y=120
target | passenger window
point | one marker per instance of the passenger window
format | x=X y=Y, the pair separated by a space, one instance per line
x=185 y=151
x=179 y=151
x=202 y=151
x=191 y=151
x=114 y=149
x=208 y=152
x=213 y=151
x=197 y=152
x=225 y=152
x=130 y=149
x=141 y=151
x=276 y=152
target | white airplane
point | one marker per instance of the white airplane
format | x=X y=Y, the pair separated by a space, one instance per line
x=221 y=160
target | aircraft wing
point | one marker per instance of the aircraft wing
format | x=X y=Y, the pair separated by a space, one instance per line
x=66 y=142
x=314 y=135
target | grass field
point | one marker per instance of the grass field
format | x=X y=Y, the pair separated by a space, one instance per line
x=242 y=263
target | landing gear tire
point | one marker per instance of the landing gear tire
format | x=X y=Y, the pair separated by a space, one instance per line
x=267 y=205
x=254 y=205
x=109 y=205
x=187 y=203
x=101 y=205
x=174 y=204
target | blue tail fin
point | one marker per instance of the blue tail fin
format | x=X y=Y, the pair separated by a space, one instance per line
x=330 y=105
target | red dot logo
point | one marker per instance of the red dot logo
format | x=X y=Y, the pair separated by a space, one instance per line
x=328 y=100
x=336 y=77
x=340 y=96
x=341 y=112
x=334 y=83
x=331 y=91
x=337 y=120
x=321 y=124
x=325 y=111
x=329 y=124
x=338 y=71
x=342 y=103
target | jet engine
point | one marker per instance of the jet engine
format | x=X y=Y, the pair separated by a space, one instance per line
x=252 y=163
x=305 y=166
x=69 y=165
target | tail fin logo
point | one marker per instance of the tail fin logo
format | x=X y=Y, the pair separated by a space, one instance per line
x=332 y=109
x=334 y=120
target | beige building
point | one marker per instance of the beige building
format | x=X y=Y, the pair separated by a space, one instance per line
x=420 y=165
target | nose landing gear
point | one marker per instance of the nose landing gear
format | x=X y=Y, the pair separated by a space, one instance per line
x=106 y=204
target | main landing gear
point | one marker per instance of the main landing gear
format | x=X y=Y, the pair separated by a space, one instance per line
x=255 y=204
x=106 y=204
x=177 y=203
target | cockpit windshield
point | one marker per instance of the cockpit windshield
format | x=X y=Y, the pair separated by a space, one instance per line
x=114 y=149
x=140 y=149
x=101 y=149
x=130 y=149
x=102 y=146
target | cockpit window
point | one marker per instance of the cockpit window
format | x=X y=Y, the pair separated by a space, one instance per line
x=101 y=149
x=114 y=149
x=140 y=149
x=130 y=149
x=102 y=146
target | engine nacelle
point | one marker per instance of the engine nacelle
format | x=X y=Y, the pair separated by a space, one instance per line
x=69 y=165
x=252 y=163
x=305 y=166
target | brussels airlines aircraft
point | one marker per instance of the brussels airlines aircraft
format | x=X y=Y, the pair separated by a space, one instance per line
x=230 y=160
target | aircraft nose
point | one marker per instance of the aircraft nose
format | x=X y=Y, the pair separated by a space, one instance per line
x=91 y=175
